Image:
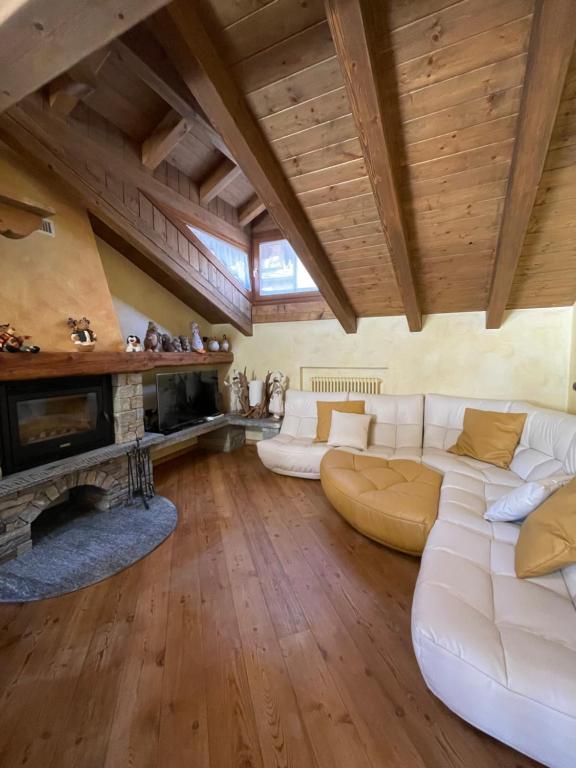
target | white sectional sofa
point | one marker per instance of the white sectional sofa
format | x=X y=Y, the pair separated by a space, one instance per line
x=498 y=650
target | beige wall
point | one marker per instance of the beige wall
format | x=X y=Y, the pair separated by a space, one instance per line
x=529 y=357
x=138 y=298
x=44 y=280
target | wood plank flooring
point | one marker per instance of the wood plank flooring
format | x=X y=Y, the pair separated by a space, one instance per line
x=265 y=633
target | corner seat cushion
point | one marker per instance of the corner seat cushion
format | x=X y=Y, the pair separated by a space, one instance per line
x=499 y=651
x=393 y=502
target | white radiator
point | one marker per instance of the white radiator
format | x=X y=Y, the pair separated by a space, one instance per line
x=366 y=385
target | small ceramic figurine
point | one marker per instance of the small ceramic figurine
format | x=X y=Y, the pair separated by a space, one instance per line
x=277 y=385
x=196 y=340
x=176 y=344
x=213 y=345
x=166 y=342
x=185 y=343
x=82 y=335
x=133 y=343
x=11 y=342
x=152 y=340
x=225 y=344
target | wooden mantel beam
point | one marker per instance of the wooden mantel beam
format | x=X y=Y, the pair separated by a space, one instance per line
x=188 y=43
x=355 y=38
x=218 y=179
x=551 y=45
x=41 y=39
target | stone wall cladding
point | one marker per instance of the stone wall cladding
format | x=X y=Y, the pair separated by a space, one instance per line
x=19 y=510
x=128 y=406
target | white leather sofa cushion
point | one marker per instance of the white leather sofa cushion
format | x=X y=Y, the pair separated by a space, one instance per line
x=499 y=651
x=547 y=445
x=396 y=431
x=444 y=417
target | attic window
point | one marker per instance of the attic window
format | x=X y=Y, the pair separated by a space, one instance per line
x=234 y=259
x=279 y=271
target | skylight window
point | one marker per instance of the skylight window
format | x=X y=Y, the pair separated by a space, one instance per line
x=280 y=271
x=234 y=259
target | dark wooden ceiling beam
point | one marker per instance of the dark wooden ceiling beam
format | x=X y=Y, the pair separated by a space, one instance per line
x=218 y=179
x=164 y=138
x=188 y=43
x=68 y=89
x=250 y=210
x=143 y=56
x=354 y=38
x=551 y=46
x=41 y=39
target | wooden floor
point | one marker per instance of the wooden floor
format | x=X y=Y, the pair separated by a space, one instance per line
x=265 y=632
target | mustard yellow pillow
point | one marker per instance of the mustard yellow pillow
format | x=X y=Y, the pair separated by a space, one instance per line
x=547 y=540
x=490 y=436
x=324 y=413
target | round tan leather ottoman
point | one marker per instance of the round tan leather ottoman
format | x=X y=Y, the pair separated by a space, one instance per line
x=393 y=502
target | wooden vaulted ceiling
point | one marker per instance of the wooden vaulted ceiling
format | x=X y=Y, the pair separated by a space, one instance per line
x=419 y=154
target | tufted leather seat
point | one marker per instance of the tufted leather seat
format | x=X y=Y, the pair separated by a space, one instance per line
x=393 y=502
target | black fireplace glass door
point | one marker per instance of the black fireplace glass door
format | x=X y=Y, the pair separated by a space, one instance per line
x=56 y=418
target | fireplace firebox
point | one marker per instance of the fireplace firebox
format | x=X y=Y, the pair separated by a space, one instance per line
x=49 y=419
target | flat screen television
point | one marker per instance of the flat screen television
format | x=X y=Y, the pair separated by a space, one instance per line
x=185 y=399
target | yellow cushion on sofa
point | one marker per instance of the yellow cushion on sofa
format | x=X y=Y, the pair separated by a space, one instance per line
x=547 y=540
x=490 y=436
x=324 y=412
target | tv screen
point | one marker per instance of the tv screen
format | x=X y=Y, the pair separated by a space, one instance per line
x=185 y=399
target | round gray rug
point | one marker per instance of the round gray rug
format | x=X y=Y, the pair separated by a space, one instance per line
x=86 y=549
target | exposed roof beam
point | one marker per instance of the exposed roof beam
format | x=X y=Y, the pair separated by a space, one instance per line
x=551 y=46
x=41 y=39
x=168 y=133
x=196 y=57
x=218 y=179
x=68 y=89
x=250 y=210
x=355 y=38
x=143 y=56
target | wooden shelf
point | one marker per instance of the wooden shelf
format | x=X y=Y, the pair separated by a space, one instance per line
x=20 y=366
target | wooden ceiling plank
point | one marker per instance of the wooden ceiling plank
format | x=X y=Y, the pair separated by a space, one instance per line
x=141 y=58
x=166 y=136
x=354 y=43
x=208 y=77
x=218 y=179
x=41 y=39
x=551 y=46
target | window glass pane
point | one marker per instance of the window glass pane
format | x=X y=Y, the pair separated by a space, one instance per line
x=234 y=259
x=281 y=271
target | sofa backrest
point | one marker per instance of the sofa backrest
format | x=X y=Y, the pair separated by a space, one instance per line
x=397 y=422
x=444 y=417
x=547 y=445
x=398 y=419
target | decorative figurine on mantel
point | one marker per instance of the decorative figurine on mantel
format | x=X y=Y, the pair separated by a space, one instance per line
x=278 y=385
x=166 y=343
x=196 y=340
x=185 y=343
x=225 y=344
x=152 y=340
x=82 y=335
x=133 y=343
x=11 y=342
x=213 y=345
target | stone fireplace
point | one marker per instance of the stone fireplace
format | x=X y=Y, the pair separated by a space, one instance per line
x=26 y=494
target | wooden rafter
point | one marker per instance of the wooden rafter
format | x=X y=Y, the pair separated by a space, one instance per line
x=168 y=134
x=143 y=56
x=41 y=39
x=250 y=210
x=551 y=45
x=68 y=89
x=187 y=41
x=218 y=179
x=354 y=38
